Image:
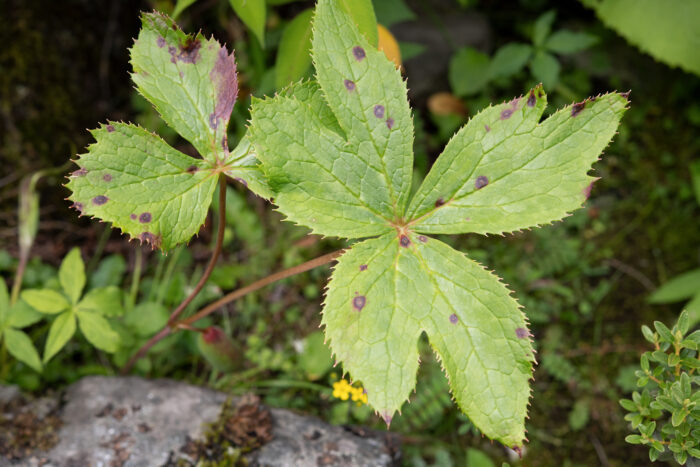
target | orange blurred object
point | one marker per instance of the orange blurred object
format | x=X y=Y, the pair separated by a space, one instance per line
x=388 y=45
x=444 y=103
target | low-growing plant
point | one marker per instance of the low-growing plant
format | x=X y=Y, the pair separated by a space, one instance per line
x=336 y=156
x=471 y=70
x=666 y=414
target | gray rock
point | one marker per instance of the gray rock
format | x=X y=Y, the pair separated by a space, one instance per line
x=136 y=422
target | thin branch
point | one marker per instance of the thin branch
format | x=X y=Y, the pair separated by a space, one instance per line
x=214 y=257
x=145 y=348
x=235 y=295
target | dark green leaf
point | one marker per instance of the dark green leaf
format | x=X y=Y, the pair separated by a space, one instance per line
x=252 y=13
x=469 y=71
x=679 y=288
x=542 y=27
x=509 y=59
x=568 y=42
x=545 y=68
x=293 y=54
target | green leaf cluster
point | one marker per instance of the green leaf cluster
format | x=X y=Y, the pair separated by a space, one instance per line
x=71 y=309
x=471 y=70
x=666 y=414
x=337 y=154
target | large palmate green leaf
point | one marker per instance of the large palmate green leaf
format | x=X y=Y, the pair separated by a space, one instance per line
x=338 y=158
x=136 y=181
x=669 y=30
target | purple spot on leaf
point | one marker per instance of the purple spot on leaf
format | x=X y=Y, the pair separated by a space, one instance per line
x=487 y=128
x=587 y=190
x=518 y=451
x=439 y=202
x=160 y=41
x=506 y=114
x=223 y=75
x=349 y=85
x=390 y=123
x=81 y=172
x=453 y=318
x=404 y=241
x=78 y=207
x=531 y=100
x=189 y=50
x=358 y=52
x=481 y=181
x=148 y=237
x=99 y=200
x=145 y=217
x=107 y=177
x=522 y=333
x=379 y=111
x=423 y=239
x=192 y=169
x=110 y=128
x=359 y=302
x=387 y=417
x=133 y=217
x=363 y=267
x=626 y=95
x=577 y=108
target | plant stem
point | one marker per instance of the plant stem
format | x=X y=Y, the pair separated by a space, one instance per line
x=214 y=257
x=135 y=280
x=235 y=295
x=19 y=276
x=209 y=309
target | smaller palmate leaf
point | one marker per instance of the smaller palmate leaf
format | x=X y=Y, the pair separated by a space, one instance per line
x=71 y=275
x=45 y=300
x=135 y=180
x=190 y=80
x=106 y=301
x=21 y=347
x=97 y=331
x=60 y=332
x=22 y=315
x=504 y=171
x=384 y=292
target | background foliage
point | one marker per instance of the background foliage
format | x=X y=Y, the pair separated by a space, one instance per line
x=584 y=282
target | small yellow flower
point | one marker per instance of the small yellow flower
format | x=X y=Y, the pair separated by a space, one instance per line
x=344 y=391
x=341 y=390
